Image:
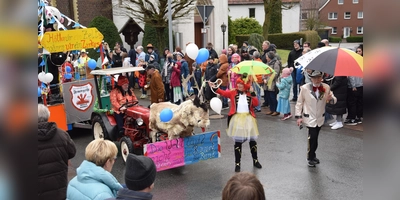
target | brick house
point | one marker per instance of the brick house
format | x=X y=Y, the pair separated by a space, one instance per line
x=255 y=9
x=309 y=17
x=83 y=11
x=345 y=17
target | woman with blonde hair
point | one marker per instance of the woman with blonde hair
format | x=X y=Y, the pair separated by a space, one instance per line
x=94 y=180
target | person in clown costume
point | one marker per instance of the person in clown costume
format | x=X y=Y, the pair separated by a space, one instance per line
x=242 y=123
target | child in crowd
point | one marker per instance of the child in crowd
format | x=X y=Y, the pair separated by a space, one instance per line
x=284 y=86
x=142 y=78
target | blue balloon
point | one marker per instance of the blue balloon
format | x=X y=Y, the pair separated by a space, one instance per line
x=166 y=115
x=68 y=76
x=44 y=85
x=39 y=92
x=68 y=69
x=92 y=64
x=202 y=56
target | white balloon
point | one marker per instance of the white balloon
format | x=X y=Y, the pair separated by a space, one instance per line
x=48 y=78
x=192 y=51
x=216 y=105
x=41 y=76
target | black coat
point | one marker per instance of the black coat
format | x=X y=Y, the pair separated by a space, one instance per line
x=55 y=148
x=339 y=89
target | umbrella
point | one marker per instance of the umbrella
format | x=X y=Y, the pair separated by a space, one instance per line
x=334 y=61
x=252 y=68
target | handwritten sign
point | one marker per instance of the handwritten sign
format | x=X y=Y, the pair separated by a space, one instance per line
x=59 y=41
x=184 y=151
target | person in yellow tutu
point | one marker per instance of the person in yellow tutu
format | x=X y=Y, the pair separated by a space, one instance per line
x=242 y=123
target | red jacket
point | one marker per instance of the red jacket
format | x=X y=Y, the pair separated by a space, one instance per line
x=234 y=97
x=176 y=76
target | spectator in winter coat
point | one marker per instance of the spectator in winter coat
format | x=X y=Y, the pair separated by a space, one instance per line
x=140 y=175
x=154 y=62
x=150 y=51
x=140 y=55
x=156 y=85
x=270 y=89
x=166 y=76
x=55 y=148
x=175 y=84
x=210 y=75
x=293 y=55
x=196 y=80
x=184 y=65
x=211 y=51
x=223 y=75
x=94 y=180
x=117 y=57
x=339 y=88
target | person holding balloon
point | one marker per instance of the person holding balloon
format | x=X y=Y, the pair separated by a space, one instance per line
x=242 y=123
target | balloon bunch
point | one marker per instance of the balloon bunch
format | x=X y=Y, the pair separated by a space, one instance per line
x=194 y=53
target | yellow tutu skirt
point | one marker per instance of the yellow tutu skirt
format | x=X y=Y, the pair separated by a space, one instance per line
x=242 y=127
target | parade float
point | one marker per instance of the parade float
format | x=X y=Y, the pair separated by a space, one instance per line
x=165 y=132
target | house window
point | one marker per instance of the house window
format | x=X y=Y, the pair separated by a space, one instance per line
x=360 y=15
x=360 y=30
x=340 y=2
x=347 y=15
x=334 y=30
x=252 y=12
x=332 y=16
x=355 y=1
x=304 y=15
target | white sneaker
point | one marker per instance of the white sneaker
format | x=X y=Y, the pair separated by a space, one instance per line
x=333 y=124
x=337 y=126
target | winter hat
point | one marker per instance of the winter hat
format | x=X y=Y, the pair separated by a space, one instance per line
x=122 y=80
x=140 y=172
x=237 y=56
x=224 y=51
x=152 y=56
x=297 y=41
x=286 y=72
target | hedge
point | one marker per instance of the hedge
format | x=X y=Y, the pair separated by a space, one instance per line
x=285 y=40
x=243 y=26
x=354 y=39
x=335 y=39
x=109 y=31
x=150 y=37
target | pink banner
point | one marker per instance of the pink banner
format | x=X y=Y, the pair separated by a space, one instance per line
x=166 y=154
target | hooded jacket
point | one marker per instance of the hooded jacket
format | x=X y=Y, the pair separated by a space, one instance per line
x=55 y=147
x=92 y=182
x=284 y=87
x=223 y=70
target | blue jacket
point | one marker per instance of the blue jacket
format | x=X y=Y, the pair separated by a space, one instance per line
x=284 y=87
x=92 y=183
x=127 y=194
x=184 y=68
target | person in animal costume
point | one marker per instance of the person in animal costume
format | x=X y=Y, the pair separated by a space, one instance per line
x=242 y=123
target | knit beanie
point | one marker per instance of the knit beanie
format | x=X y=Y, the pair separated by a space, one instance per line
x=140 y=172
x=286 y=72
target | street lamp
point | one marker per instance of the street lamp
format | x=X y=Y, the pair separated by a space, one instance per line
x=223 y=29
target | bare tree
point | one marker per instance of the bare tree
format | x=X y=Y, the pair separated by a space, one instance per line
x=155 y=13
x=270 y=7
x=311 y=15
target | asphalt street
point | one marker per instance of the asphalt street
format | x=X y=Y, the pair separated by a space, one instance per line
x=282 y=149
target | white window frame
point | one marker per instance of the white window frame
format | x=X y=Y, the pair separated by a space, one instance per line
x=355 y=1
x=334 y=31
x=345 y=15
x=362 y=15
x=362 y=30
x=340 y=3
x=333 y=16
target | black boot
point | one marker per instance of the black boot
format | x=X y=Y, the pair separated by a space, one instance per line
x=253 y=150
x=238 y=155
